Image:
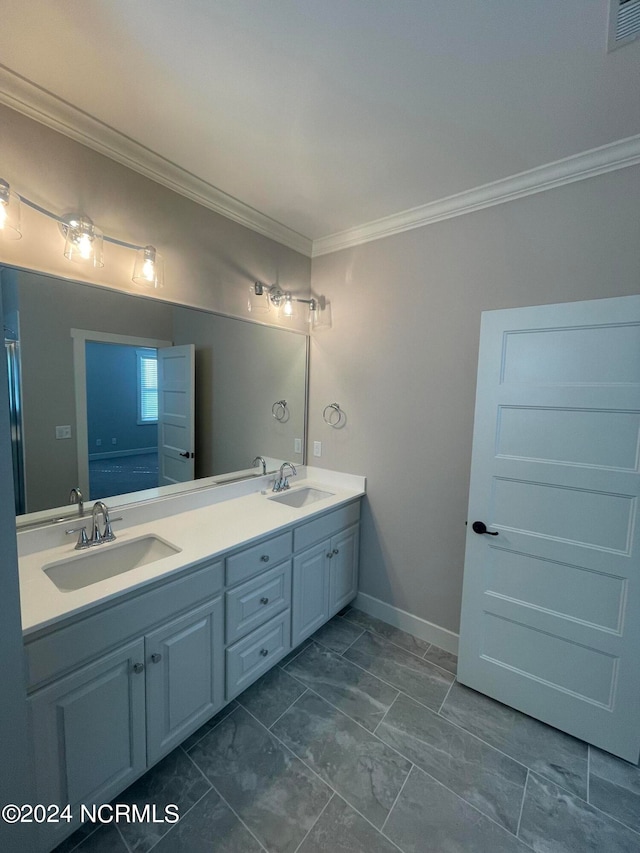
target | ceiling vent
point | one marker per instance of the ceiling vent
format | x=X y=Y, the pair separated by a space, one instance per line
x=624 y=22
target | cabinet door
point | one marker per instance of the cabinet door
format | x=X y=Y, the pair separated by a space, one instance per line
x=310 y=600
x=185 y=676
x=88 y=731
x=343 y=568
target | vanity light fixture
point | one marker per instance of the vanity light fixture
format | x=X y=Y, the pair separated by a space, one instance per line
x=9 y=212
x=261 y=294
x=82 y=240
x=148 y=269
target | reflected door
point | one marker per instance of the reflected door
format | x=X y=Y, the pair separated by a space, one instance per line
x=176 y=414
x=551 y=604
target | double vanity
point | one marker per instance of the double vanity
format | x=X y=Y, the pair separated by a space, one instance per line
x=133 y=644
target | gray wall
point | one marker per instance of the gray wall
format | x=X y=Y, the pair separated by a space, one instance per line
x=401 y=360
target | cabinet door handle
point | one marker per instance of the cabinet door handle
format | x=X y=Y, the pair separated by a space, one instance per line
x=264 y=652
x=138 y=668
x=265 y=558
x=330 y=554
x=156 y=657
x=336 y=550
x=264 y=600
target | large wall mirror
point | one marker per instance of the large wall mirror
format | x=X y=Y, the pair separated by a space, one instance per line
x=83 y=376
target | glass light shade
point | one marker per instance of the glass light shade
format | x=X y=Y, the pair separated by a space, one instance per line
x=9 y=213
x=321 y=317
x=83 y=241
x=148 y=269
x=287 y=307
x=258 y=303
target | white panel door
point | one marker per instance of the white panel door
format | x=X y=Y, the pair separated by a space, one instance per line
x=176 y=414
x=551 y=601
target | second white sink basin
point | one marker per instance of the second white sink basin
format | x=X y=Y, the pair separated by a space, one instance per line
x=106 y=561
x=301 y=497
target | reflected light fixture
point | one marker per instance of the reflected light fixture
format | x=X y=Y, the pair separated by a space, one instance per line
x=9 y=212
x=148 y=269
x=83 y=241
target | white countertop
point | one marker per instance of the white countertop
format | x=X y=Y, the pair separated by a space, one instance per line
x=202 y=524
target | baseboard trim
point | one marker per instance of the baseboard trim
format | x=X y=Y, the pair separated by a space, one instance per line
x=114 y=454
x=442 y=637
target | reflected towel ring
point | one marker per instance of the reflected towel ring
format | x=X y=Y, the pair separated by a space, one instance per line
x=333 y=415
x=279 y=410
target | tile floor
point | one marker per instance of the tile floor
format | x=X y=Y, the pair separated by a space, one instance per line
x=362 y=741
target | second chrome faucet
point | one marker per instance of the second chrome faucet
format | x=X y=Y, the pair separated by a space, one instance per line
x=98 y=537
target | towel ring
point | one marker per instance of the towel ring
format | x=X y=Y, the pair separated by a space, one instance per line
x=279 y=410
x=332 y=415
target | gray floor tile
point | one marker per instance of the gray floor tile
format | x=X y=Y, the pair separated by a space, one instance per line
x=270 y=789
x=73 y=841
x=359 y=694
x=209 y=826
x=271 y=695
x=295 y=652
x=342 y=830
x=106 y=839
x=429 y=819
x=420 y=679
x=486 y=778
x=551 y=753
x=389 y=632
x=354 y=762
x=614 y=787
x=555 y=820
x=173 y=781
x=202 y=731
x=445 y=660
x=338 y=634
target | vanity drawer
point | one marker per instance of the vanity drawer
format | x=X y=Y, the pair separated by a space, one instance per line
x=253 y=603
x=256 y=653
x=258 y=558
x=325 y=526
x=52 y=654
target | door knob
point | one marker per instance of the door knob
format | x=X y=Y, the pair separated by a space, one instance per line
x=481 y=527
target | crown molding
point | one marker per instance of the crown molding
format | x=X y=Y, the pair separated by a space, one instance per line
x=37 y=103
x=579 y=167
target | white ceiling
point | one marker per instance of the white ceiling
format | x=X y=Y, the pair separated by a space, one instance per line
x=328 y=114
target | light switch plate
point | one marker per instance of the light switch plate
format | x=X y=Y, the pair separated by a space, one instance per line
x=317 y=448
x=63 y=431
x=297 y=445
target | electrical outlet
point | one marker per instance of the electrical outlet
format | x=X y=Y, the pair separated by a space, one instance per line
x=297 y=445
x=63 y=431
x=317 y=448
x=98 y=442
x=114 y=441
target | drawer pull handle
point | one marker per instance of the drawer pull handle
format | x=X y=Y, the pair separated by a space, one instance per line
x=264 y=652
x=336 y=550
x=138 y=668
x=156 y=657
x=264 y=600
x=265 y=558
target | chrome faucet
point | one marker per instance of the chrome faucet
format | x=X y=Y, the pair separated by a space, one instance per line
x=264 y=464
x=97 y=537
x=282 y=482
x=75 y=497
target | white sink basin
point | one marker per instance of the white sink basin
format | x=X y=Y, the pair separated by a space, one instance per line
x=106 y=561
x=301 y=497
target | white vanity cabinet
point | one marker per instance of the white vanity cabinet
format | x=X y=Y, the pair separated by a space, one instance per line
x=98 y=727
x=325 y=575
x=113 y=691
